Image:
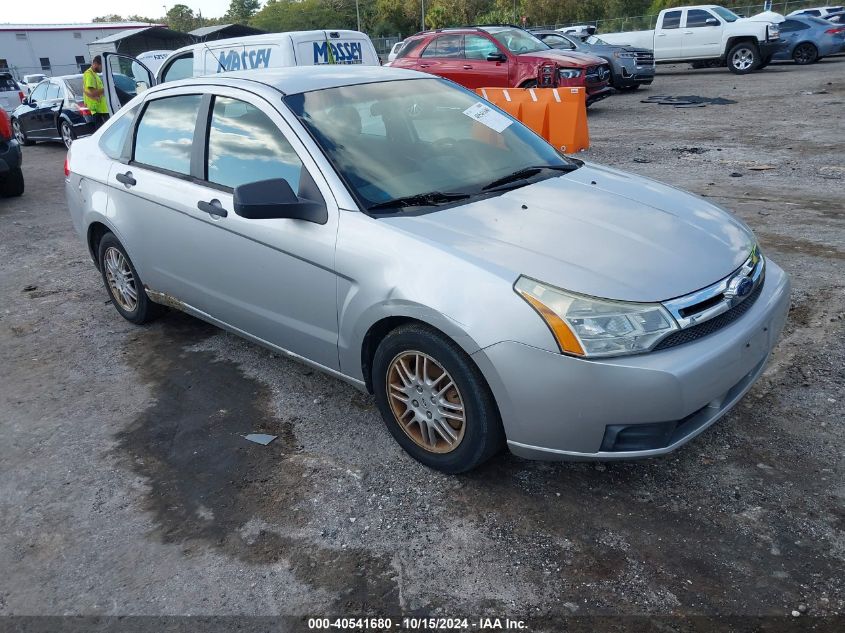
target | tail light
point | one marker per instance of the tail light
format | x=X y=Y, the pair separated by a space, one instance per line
x=5 y=126
x=78 y=107
x=835 y=31
x=67 y=165
x=20 y=95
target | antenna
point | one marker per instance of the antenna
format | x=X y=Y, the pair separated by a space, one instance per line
x=217 y=59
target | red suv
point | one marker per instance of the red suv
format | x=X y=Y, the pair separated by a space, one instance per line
x=502 y=57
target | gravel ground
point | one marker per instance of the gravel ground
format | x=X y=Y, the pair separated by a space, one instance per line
x=126 y=487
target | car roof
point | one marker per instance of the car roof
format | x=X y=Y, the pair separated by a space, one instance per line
x=298 y=79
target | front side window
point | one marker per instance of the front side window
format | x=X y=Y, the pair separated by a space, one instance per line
x=245 y=146
x=517 y=41
x=180 y=68
x=432 y=143
x=478 y=47
x=39 y=93
x=672 y=20
x=445 y=46
x=697 y=18
x=54 y=92
x=166 y=133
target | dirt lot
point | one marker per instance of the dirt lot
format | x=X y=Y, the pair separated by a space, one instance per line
x=126 y=487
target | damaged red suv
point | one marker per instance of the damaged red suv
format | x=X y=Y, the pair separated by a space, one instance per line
x=503 y=57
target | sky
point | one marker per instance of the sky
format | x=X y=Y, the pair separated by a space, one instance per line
x=60 y=11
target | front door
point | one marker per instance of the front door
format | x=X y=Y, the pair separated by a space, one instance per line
x=271 y=279
x=668 y=37
x=123 y=78
x=700 y=38
x=479 y=72
x=444 y=56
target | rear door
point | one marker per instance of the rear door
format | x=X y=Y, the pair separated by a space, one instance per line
x=28 y=119
x=123 y=78
x=668 y=37
x=444 y=56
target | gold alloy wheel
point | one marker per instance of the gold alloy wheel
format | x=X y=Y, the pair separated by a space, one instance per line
x=121 y=280
x=426 y=402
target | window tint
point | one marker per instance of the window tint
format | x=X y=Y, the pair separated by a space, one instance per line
x=790 y=26
x=113 y=139
x=244 y=145
x=813 y=12
x=557 y=41
x=477 y=47
x=166 y=132
x=445 y=46
x=697 y=18
x=54 y=91
x=672 y=20
x=39 y=92
x=74 y=85
x=181 y=68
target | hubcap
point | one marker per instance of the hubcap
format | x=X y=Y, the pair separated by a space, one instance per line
x=121 y=280
x=803 y=54
x=16 y=127
x=743 y=59
x=426 y=402
x=67 y=137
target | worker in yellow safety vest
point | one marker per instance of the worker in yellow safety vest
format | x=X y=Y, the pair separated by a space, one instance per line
x=93 y=93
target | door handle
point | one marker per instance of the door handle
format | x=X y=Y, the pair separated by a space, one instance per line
x=688 y=32
x=423 y=65
x=212 y=207
x=661 y=35
x=467 y=67
x=126 y=179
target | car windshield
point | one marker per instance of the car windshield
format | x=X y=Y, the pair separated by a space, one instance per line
x=518 y=41
x=401 y=139
x=595 y=41
x=725 y=14
x=34 y=79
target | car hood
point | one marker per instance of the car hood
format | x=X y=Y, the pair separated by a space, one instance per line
x=609 y=49
x=566 y=57
x=596 y=231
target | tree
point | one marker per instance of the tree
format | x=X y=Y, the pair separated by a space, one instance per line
x=240 y=11
x=181 y=18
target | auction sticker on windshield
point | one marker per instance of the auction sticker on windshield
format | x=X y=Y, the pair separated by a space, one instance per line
x=486 y=115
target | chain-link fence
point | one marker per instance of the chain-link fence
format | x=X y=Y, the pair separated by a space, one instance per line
x=645 y=22
x=384 y=44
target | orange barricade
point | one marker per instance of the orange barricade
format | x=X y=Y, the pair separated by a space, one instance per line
x=559 y=115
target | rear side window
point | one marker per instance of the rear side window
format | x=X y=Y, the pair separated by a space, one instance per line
x=166 y=133
x=445 y=46
x=179 y=68
x=113 y=139
x=39 y=92
x=671 y=20
x=790 y=26
x=697 y=18
x=54 y=91
x=409 y=47
x=244 y=146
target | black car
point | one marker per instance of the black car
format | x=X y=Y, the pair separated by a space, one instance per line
x=11 y=176
x=630 y=67
x=53 y=111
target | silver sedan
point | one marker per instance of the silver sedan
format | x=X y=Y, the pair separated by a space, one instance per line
x=393 y=230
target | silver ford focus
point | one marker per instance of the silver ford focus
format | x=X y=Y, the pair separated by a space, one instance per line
x=389 y=228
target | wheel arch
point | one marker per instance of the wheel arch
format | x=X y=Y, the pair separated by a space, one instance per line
x=95 y=232
x=733 y=41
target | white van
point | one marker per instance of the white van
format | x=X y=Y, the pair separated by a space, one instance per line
x=125 y=76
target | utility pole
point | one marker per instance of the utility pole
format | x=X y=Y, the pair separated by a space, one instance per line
x=358 y=14
x=422 y=15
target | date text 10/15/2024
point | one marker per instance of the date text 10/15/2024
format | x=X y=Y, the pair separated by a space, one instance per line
x=417 y=624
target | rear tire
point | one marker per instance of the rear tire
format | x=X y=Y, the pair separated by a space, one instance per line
x=67 y=134
x=11 y=185
x=805 y=53
x=743 y=58
x=20 y=135
x=125 y=288
x=434 y=400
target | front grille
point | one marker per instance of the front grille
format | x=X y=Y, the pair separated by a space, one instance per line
x=645 y=58
x=597 y=74
x=715 y=324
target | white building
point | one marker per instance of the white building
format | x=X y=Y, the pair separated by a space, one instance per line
x=54 y=49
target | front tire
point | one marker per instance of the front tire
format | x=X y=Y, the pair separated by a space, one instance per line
x=743 y=58
x=434 y=400
x=805 y=53
x=67 y=133
x=20 y=135
x=125 y=288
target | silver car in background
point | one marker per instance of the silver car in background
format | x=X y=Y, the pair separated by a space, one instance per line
x=389 y=228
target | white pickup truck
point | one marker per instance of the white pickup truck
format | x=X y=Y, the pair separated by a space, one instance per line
x=707 y=33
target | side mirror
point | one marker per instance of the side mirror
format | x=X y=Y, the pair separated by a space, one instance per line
x=712 y=22
x=496 y=57
x=274 y=199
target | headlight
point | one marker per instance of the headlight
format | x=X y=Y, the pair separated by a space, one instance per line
x=624 y=55
x=569 y=73
x=586 y=326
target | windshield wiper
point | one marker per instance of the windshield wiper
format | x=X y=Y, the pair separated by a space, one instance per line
x=527 y=172
x=432 y=198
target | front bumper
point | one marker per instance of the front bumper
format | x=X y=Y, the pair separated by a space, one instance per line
x=558 y=407
x=597 y=94
x=630 y=74
x=771 y=47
